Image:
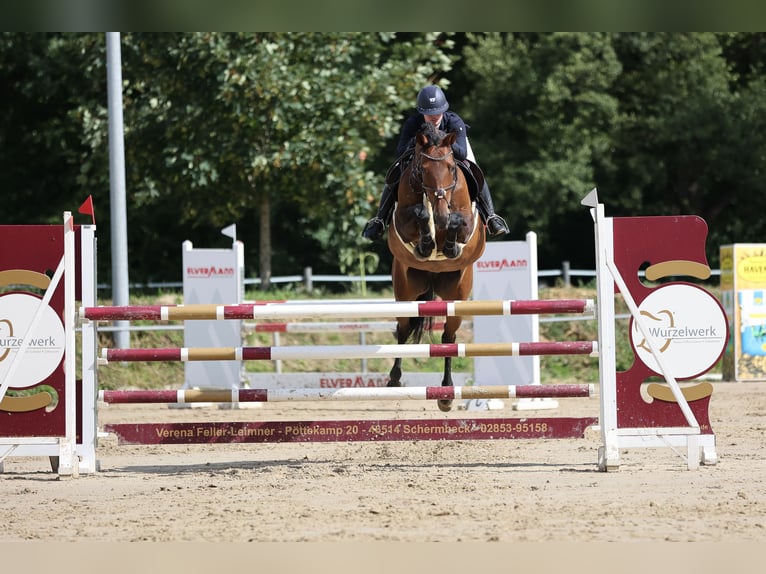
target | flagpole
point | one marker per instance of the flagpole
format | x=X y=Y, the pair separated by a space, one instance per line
x=117 y=203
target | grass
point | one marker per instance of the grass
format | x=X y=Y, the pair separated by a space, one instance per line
x=554 y=369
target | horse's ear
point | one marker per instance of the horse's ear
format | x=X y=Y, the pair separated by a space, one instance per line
x=450 y=139
x=421 y=139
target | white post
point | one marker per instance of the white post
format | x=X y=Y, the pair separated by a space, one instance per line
x=88 y=342
x=68 y=463
x=609 y=453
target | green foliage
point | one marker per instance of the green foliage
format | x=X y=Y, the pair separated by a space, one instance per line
x=661 y=123
x=215 y=124
x=542 y=114
x=690 y=137
x=220 y=125
x=42 y=148
x=286 y=116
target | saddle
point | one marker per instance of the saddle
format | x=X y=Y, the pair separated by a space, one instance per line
x=474 y=177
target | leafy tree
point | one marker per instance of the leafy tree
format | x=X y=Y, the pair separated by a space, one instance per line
x=42 y=87
x=691 y=134
x=270 y=130
x=289 y=134
x=661 y=123
x=278 y=132
x=543 y=114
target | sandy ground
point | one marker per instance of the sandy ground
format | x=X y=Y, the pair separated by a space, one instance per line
x=480 y=491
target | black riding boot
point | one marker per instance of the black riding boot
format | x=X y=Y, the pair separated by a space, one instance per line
x=375 y=227
x=496 y=225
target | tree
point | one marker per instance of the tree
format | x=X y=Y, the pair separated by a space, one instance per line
x=543 y=114
x=270 y=128
x=691 y=134
x=289 y=134
x=661 y=123
x=42 y=87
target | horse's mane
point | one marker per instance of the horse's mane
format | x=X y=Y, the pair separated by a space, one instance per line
x=432 y=133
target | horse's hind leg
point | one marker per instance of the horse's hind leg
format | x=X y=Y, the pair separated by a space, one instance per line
x=395 y=374
x=448 y=336
x=403 y=330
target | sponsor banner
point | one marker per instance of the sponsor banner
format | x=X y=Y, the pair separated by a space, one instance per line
x=743 y=290
x=507 y=270
x=350 y=430
x=330 y=380
x=213 y=276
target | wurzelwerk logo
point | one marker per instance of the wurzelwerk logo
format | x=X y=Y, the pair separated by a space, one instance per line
x=45 y=341
x=685 y=325
x=212 y=271
x=661 y=326
x=687 y=333
x=501 y=264
x=8 y=343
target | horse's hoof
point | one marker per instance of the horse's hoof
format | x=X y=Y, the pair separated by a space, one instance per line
x=425 y=250
x=451 y=251
x=394 y=384
x=444 y=406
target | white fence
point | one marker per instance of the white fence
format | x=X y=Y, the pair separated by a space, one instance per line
x=308 y=278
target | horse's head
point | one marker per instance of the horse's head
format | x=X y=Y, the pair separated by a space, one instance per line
x=435 y=171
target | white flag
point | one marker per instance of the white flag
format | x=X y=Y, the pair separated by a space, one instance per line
x=230 y=231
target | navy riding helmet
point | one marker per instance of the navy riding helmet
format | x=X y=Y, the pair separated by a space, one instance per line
x=431 y=101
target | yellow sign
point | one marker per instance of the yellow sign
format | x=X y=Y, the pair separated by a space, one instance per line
x=743 y=295
x=752 y=270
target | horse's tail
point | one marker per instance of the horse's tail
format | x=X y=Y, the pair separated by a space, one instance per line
x=420 y=325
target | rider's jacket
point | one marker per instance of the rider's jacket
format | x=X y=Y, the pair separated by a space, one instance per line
x=451 y=122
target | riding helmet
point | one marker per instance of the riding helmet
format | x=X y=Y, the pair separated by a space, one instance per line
x=431 y=101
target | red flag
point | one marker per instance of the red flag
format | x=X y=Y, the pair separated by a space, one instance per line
x=87 y=209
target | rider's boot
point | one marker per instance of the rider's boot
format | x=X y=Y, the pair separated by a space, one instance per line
x=375 y=227
x=496 y=225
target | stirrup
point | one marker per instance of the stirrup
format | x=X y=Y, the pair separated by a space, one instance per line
x=496 y=225
x=374 y=228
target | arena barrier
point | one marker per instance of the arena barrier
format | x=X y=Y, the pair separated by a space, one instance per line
x=674 y=417
x=349 y=430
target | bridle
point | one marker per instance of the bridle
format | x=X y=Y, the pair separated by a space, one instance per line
x=416 y=176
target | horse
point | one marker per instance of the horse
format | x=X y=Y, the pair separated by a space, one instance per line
x=435 y=236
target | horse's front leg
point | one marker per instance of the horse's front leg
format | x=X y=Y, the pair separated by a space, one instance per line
x=448 y=336
x=451 y=247
x=426 y=242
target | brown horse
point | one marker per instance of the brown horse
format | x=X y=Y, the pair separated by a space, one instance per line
x=435 y=236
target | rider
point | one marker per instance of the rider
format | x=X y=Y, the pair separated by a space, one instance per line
x=432 y=107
